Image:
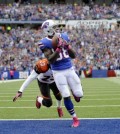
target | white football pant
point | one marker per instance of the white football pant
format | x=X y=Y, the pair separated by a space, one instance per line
x=66 y=80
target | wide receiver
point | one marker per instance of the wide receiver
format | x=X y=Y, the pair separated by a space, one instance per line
x=46 y=82
x=59 y=55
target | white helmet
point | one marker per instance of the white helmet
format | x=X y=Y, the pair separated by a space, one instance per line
x=47 y=27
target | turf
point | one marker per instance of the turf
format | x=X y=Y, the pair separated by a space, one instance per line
x=101 y=100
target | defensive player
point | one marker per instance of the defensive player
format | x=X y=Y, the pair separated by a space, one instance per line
x=61 y=65
x=45 y=83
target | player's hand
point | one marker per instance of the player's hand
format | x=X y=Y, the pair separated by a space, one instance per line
x=64 y=44
x=60 y=43
x=18 y=94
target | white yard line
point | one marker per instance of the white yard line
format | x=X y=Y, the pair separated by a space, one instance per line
x=4 y=81
x=89 y=88
x=88 y=92
x=25 y=96
x=25 y=107
x=114 y=80
x=55 y=99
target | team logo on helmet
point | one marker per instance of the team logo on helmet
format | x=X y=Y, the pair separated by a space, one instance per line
x=45 y=25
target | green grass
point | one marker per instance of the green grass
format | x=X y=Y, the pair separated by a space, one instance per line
x=101 y=100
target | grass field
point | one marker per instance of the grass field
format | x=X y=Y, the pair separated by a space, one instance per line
x=101 y=100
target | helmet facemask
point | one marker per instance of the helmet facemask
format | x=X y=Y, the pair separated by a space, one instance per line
x=50 y=27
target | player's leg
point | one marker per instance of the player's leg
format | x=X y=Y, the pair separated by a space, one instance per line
x=45 y=100
x=62 y=85
x=75 y=85
x=58 y=97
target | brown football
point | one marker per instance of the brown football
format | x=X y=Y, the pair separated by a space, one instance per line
x=42 y=65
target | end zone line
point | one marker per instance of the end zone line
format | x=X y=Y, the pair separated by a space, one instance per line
x=112 y=118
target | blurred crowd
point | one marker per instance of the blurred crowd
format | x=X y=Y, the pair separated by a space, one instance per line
x=18 y=48
x=42 y=12
x=95 y=48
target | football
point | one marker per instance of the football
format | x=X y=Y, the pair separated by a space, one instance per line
x=54 y=42
x=42 y=65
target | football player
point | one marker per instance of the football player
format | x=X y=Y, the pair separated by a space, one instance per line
x=60 y=57
x=45 y=83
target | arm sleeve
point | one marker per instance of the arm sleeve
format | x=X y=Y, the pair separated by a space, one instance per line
x=30 y=78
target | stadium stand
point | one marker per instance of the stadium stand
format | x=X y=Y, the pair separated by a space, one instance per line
x=27 y=12
x=97 y=48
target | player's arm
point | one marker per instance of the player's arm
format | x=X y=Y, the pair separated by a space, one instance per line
x=67 y=45
x=30 y=78
x=71 y=52
x=41 y=66
x=50 y=55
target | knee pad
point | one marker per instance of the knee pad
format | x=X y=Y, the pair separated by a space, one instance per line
x=78 y=93
x=47 y=102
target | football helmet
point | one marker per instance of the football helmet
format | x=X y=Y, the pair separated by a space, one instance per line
x=47 y=27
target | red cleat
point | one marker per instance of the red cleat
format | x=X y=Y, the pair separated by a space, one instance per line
x=76 y=122
x=38 y=104
x=60 y=112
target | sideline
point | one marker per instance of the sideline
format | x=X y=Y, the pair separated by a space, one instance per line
x=4 y=81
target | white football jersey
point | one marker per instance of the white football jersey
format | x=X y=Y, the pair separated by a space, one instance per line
x=46 y=77
x=43 y=77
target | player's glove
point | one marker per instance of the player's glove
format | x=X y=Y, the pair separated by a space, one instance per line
x=60 y=44
x=18 y=94
x=66 y=45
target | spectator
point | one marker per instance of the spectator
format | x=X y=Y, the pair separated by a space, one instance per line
x=27 y=12
x=98 y=48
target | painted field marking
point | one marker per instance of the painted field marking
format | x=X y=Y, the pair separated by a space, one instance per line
x=112 y=118
x=114 y=80
x=84 y=95
x=107 y=88
x=55 y=99
x=5 y=81
x=88 y=92
x=63 y=106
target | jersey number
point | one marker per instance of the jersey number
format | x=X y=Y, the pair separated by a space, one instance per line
x=63 y=54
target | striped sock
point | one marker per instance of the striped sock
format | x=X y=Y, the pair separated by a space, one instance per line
x=69 y=106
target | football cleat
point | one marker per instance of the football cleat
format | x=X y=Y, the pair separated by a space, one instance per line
x=38 y=104
x=76 y=122
x=60 y=112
